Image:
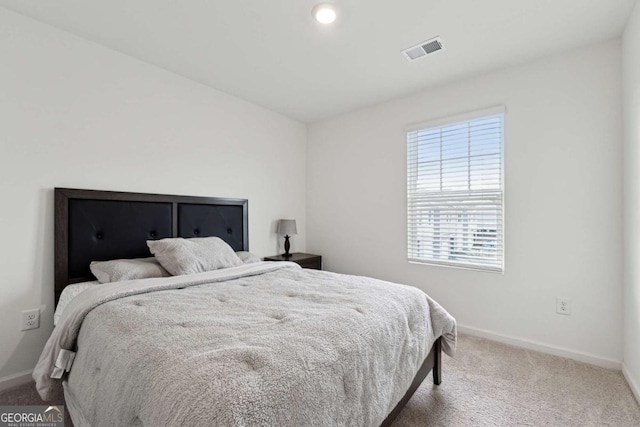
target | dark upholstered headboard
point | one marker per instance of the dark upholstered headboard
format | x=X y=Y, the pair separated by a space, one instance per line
x=95 y=225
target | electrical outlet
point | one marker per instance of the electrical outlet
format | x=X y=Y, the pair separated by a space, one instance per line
x=30 y=319
x=563 y=306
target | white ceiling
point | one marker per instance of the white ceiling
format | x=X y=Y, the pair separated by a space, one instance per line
x=272 y=52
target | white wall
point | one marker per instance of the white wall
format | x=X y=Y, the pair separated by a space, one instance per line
x=75 y=114
x=631 y=86
x=563 y=200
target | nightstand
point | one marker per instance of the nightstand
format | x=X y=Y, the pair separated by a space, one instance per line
x=304 y=260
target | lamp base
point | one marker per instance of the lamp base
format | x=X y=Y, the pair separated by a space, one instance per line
x=287 y=246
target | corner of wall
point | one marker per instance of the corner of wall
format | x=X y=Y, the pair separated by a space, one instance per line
x=631 y=210
x=634 y=383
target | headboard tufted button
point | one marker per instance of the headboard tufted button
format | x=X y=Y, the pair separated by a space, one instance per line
x=229 y=231
x=152 y=234
x=196 y=232
x=99 y=236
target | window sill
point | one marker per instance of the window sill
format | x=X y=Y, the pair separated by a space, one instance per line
x=458 y=266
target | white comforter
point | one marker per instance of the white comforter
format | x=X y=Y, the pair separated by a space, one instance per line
x=258 y=344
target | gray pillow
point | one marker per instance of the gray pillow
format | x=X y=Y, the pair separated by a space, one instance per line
x=247 y=257
x=127 y=269
x=189 y=256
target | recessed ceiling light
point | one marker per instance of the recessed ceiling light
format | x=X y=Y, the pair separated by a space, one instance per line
x=325 y=13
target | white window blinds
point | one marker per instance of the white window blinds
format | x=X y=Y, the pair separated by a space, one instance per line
x=455 y=192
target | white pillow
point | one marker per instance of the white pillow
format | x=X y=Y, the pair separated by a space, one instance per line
x=69 y=293
x=247 y=257
x=127 y=269
x=189 y=256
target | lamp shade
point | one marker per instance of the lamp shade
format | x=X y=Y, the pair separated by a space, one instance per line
x=287 y=226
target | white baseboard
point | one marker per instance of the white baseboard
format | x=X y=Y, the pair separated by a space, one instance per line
x=634 y=385
x=15 y=380
x=543 y=347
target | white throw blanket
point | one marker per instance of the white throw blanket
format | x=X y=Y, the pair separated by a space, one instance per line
x=258 y=344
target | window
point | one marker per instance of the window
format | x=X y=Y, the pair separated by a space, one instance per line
x=455 y=192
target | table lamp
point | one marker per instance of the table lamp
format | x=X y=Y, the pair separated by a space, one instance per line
x=288 y=228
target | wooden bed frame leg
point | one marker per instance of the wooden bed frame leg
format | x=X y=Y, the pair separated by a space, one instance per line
x=432 y=362
x=437 y=362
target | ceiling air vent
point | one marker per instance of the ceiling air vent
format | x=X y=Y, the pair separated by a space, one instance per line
x=423 y=49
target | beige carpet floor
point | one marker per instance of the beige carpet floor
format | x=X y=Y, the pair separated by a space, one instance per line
x=491 y=384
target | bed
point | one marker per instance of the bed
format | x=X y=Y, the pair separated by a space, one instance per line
x=264 y=343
